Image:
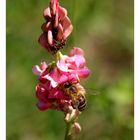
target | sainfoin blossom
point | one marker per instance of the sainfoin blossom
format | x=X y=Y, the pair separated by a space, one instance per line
x=69 y=68
x=74 y=64
x=57 y=27
x=51 y=98
x=58 y=86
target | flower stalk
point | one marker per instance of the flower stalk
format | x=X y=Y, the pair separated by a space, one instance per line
x=68 y=131
x=59 y=85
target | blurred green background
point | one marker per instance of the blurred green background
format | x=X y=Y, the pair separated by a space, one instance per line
x=104 y=29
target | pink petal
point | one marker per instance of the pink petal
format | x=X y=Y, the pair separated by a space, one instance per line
x=55 y=74
x=58 y=76
x=73 y=77
x=76 y=51
x=46 y=26
x=83 y=73
x=54 y=6
x=42 y=79
x=61 y=64
x=43 y=41
x=67 y=32
x=53 y=83
x=36 y=70
x=62 y=13
x=63 y=78
x=41 y=92
x=67 y=26
x=43 y=106
x=47 y=13
x=43 y=65
x=79 y=61
x=60 y=32
x=50 y=37
x=57 y=94
x=56 y=20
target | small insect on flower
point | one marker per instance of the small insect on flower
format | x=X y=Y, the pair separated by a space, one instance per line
x=57 y=45
x=77 y=94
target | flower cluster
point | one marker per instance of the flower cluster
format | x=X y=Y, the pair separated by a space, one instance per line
x=57 y=27
x=69 y=68
x=59 y=81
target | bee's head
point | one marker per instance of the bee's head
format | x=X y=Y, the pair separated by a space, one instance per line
x=67 y=84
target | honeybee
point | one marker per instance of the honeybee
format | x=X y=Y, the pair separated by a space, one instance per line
x=77 y=94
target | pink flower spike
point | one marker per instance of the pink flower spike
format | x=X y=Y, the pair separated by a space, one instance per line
x=56 y=29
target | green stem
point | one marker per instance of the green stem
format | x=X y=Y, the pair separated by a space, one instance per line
x=58 y=55
x=68 y=131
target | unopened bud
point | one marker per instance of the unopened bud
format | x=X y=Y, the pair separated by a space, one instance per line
x=77 y=127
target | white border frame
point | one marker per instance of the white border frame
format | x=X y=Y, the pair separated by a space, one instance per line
x=137 y=71
x=2 y=70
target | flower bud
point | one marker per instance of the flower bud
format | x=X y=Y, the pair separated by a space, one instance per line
x=77 y=127
x=56 y=29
